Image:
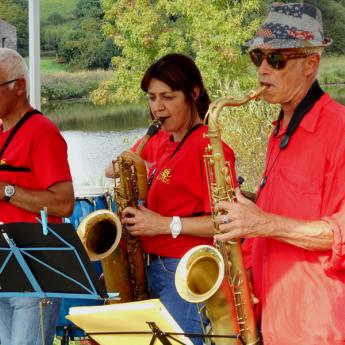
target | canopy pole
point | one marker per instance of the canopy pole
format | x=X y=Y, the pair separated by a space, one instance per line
x=34 y=54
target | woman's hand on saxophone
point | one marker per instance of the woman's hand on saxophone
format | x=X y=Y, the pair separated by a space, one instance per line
x=144 y=222
x=240 y=219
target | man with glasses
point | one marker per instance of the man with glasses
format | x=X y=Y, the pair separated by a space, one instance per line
x=295 y=233
x=34 y=174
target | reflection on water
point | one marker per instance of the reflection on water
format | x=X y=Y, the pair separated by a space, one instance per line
x=83 y=115
x=95 y=135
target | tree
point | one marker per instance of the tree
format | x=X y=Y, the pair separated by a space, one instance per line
x=212 y=32
x=88 y=8
x=83 y=44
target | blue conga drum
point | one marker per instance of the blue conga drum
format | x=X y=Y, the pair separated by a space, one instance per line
x=87 y=200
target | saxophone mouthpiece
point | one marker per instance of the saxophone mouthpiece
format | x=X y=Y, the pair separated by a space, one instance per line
x=154 y=127
x=258 y=93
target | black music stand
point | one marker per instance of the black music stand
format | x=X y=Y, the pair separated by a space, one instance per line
x=33 y=264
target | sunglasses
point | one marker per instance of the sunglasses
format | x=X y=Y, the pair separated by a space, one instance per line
x=8 y=82
x=277 y=60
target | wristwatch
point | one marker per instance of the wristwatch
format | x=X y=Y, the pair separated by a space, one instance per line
x=9 y=191
x=175 y=226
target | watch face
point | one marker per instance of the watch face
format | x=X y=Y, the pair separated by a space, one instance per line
x=176 y=227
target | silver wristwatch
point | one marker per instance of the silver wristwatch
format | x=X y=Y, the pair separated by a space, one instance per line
x=9 y=191
x=175 y=226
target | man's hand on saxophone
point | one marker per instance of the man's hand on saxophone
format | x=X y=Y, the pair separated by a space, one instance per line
x=248 y=220
x=242 y=219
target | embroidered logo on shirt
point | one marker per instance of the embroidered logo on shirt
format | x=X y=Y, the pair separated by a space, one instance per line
x=165 y=176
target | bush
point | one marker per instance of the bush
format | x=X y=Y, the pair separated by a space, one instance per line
x=64 y=85
x=246 y=129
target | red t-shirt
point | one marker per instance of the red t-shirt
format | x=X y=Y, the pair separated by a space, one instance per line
x=179 y=187
x=302 y=292
x=37 y=145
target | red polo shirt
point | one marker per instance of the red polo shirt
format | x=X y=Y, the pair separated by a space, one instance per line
x=39 y=146
x=302 y=292
x=179 y=187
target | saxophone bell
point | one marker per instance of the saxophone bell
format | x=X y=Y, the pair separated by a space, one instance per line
x=100 y=233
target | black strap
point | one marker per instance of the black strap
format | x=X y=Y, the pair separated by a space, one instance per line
x=312 y=96
x=185 y=138
x=19 y=124
x=5 y=167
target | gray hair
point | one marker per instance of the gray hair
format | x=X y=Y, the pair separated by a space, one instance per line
x=12 y=64
x=312 y=50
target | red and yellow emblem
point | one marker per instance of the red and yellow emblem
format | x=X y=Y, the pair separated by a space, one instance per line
x=2 y=162
x=165 y=176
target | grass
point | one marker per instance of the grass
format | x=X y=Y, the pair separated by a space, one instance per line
x=49 y=65
x=332 y=70
x=63 y=7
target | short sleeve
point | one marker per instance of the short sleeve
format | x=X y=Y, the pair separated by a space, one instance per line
x=49 y=157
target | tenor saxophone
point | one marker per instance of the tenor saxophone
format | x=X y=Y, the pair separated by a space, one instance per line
x=105 y=239
x=216 y=276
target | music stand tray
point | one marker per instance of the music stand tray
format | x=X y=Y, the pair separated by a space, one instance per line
x=128 y=323
x=33 y=264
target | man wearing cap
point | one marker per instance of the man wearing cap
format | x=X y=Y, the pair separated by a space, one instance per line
x=295 y=234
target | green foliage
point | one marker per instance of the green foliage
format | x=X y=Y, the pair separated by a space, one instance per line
x=88 y=8
x=209 y=31
x=80 y=42
x=15 y=12
x=56 y=19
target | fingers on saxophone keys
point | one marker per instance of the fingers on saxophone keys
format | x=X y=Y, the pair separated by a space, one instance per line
x=222 y=206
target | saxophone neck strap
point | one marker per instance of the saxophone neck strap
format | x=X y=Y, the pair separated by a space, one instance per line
x=185 y=138
x=312 y=96
x=15 y=129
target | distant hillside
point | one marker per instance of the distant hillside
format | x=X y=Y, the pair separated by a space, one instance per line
x=63 y=7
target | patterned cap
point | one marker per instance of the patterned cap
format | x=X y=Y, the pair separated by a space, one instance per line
x=290 y=25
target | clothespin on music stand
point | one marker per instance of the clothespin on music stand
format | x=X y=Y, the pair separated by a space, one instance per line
x=44 y=220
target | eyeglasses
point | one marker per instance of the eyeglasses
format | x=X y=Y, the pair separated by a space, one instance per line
x=8 y=82
x=277 y=60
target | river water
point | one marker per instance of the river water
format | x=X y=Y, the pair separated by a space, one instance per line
x=97 y=134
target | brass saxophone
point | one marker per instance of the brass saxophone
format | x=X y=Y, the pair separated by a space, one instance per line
x=204 y=274
x=105 y=239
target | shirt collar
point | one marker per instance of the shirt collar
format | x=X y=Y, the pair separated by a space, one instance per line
x=313 y=100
